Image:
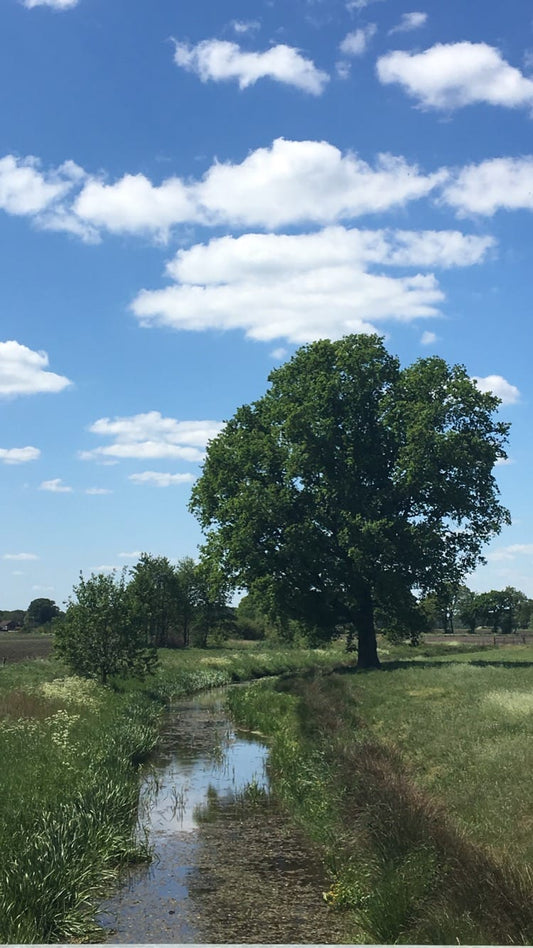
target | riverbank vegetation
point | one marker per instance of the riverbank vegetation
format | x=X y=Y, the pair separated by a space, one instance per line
x=415 y=781
x=70 y=751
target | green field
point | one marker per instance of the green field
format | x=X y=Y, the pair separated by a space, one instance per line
x=416 y=782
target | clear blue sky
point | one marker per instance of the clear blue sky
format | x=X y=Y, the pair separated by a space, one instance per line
x=190 y=191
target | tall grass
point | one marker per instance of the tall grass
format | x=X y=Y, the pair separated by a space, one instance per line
x=388 y=772
x=70 y=751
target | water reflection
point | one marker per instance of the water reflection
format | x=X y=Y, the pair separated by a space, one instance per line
x=200 y=759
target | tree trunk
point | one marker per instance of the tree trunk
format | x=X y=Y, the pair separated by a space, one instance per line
x=367 y=650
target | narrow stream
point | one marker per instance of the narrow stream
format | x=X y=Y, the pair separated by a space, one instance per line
x=227 y=866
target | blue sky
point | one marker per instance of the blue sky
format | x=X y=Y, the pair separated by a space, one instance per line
x=188 y=192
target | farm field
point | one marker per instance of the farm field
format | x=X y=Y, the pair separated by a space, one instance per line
x=19 y=646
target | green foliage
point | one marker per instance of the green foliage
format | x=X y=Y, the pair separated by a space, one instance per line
x=154 y=591
x=350 y=483
x=102 y=634
x=41 y=612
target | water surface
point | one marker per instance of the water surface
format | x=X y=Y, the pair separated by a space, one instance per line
x=228 y=866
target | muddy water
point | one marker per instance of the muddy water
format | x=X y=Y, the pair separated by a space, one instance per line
x=227 y=866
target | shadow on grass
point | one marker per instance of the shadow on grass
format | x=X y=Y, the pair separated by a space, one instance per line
x=422 y=663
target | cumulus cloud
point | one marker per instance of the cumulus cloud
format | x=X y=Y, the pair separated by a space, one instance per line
x=55 y=4
x=159 y=479
x=25 y=372
x=498 y=183
x=20 y=556
x=428 y=338
x=26 y=189
x=306 y=286
x=453 y=75
x=293 y=182
x=19 y=455
x=289 y=182
x=150 y=435
x=499 y=386
x=355 y=44
x=55 y=486
x=220 y=60
x=410 y=21
x=133 y=205
x=96 y=491
x=130 y=556
x=302 y=287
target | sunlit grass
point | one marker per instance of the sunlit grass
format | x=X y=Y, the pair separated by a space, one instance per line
x=415 y=781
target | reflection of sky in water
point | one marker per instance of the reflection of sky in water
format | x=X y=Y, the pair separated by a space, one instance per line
x=183 y=783
x=198 y=750
x=195 y=760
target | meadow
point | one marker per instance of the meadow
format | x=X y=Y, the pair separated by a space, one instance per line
x=69 y=784
x=415 y=782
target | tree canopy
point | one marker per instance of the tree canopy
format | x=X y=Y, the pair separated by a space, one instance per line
x=41 y=612
x=101 y=634
x=353 y=483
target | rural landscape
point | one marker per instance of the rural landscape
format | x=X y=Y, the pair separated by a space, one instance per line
x=266 y=548
x=347 y=505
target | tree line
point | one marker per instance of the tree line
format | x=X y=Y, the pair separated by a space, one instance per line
x=114 y=624
x=500 y=610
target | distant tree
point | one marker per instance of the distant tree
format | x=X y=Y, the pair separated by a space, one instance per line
x=41 y=612
x=468 y=608
x=186 y=596
x=101 y=634
x=350 y=479
x=212 y=614
x=154 y=588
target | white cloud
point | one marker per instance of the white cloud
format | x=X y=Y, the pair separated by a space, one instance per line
x=499 y=386
x=25 y=189
x=19 y=455
x=289 y=182
x=55 y=486
x=352 y=5
x=428 y=338
x=39 y=588
x=56 y=4
x=150 y=435
x=245 y=26
x=511 y=552
x=133 y=205
x=297 y=181
x=279 y=353
x=449 y=76
x=104 y=568
x=298 y=287
x=130 y=556
x=221 y=60
x=24 y=372
x=158 y=479
x=20 y=556
x=505 y=183
x=302 y=287
x=410 y=21
x=96 y=491
x=355 y=44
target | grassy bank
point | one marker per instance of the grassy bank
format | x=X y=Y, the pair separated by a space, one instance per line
x=414 y=780
x=70 y=753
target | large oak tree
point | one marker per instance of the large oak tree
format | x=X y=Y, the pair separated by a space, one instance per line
x=351 y=483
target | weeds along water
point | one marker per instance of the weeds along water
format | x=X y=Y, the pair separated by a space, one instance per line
x=414 y=782
x=69 y=782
